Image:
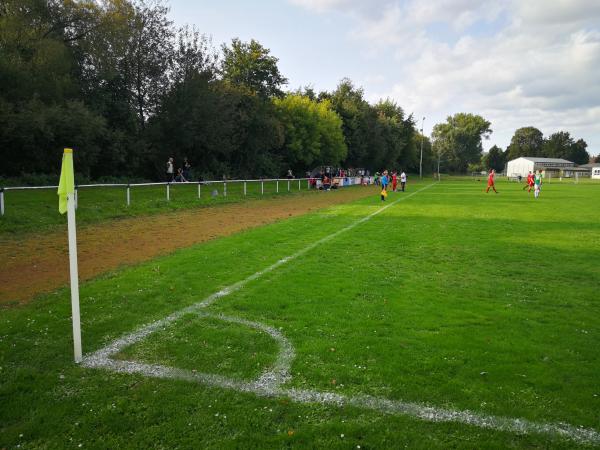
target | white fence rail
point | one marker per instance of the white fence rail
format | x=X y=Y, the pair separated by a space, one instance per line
x=281 y=185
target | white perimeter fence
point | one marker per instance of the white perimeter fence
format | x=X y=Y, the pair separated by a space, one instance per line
x=281 y=185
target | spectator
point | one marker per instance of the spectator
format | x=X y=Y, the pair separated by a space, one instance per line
x=290 y=175
x=180 y=178
x=187 y=167
x=170 y=170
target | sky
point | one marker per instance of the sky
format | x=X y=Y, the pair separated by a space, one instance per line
x=516 y=63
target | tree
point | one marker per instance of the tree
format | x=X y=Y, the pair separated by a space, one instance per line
x=358 y=123
x=527 y=141
x=250 y=65
x=562 y=145
x=430 y=157
x=193 y=54
x=495 y=159
x=459 y=139
x=396 y=134
x=313 y=132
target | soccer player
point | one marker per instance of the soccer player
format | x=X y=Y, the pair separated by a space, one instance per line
x=403 y=180
x=530 y=182
x=394 y=180
x=538 y=183
x=491 y=182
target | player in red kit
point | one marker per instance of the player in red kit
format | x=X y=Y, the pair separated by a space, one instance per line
x=491 y=182
x=530 y=182
x=394 y=181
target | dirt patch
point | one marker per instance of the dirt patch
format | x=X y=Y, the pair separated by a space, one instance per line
x=39 y=263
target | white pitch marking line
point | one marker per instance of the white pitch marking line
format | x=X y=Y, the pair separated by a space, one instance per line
x=269 y=384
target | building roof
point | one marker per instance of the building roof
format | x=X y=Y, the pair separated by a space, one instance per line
x=547 y=160
x=591 y=165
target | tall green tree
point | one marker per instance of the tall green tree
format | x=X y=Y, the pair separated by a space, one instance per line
x=396 y=132
x=359 y=123
x=459 y=139
x=495 y=159
x=527 y=141
x=562 y=145
x=251 y=65
x=313 y=132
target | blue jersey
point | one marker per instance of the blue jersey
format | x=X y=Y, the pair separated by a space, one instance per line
x=384 y=180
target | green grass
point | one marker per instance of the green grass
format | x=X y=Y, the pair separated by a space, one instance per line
x=452 y=298
x=37 y=210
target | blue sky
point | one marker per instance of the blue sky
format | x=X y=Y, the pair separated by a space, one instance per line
x=533 y=63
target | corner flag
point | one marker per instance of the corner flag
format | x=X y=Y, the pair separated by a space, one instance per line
x=66 y=203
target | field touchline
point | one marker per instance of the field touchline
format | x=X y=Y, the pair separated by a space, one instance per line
x=270 y=383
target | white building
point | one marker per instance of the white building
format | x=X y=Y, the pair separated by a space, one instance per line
x=549 y=166
x=596 y=171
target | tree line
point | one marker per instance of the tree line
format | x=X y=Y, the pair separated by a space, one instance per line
x=117 y=81
x=458 y=141
x=120 y=83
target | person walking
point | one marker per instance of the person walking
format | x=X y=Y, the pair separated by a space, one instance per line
x=403 y=180
x=394 y=181
x=491 y=182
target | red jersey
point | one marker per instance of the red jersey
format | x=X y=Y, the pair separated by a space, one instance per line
x=530 y=180
x=491 y=179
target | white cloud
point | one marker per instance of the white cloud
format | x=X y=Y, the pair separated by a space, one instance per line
x=516 y=63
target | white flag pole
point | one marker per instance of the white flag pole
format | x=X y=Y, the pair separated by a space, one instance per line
x=74 y=276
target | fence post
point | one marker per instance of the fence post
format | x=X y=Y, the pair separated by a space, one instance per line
x=1 y=201
x=262 y=187
x=289 y=185
x=168 y=191
x=224 y=188
x=128 y=195
x=244 y=188
x=199 y=192
x=76 y=198
x=308 y=183
x=298 y=183
x=277 y=190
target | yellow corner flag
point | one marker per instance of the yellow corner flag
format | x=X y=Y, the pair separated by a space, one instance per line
x=66 y=203
x=67 y=180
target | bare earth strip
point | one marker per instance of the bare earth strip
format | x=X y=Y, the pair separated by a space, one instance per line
x=39 y=263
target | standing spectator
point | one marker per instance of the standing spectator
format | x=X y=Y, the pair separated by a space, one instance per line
x=170 y=172
x=377 y=178
x=290 y=175
x=403 y=180
x=180 y=178
x=187 y=167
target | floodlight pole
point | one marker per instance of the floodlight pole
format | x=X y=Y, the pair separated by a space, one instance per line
x=421 y=161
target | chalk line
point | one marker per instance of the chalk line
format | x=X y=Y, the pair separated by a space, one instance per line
x=269 y=383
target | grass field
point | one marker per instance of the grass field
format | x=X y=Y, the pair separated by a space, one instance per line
x=449 y=298
x=35 y=210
